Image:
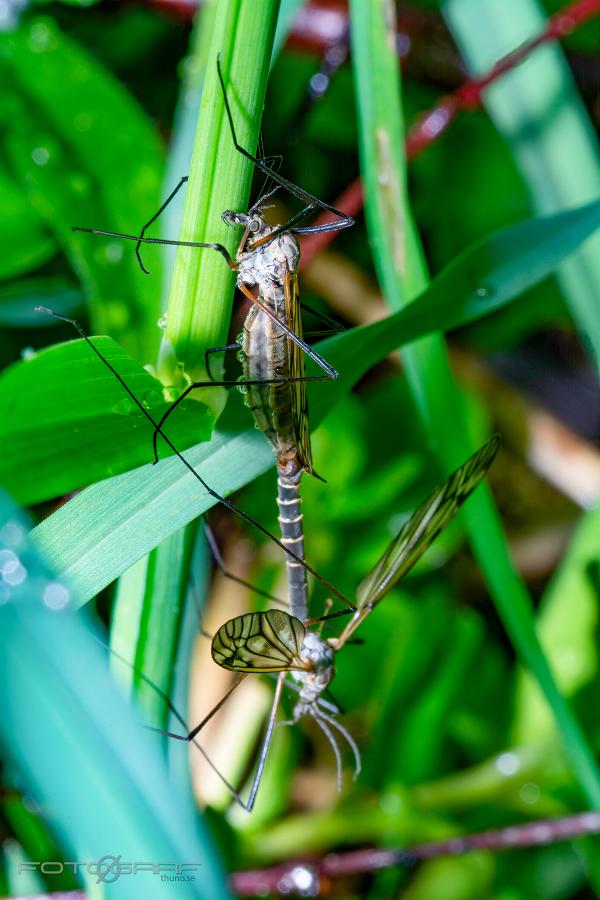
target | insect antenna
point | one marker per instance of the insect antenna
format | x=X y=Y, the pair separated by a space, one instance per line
x=334 y=746
x=319 y=714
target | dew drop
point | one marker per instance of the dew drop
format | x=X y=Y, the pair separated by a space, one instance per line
x=152 y=398
x=56 y=596
x=483 y=292
x=28 y=353
x=12 y=534
x=83 y=121
x=435 y=122
x=529 y=792
x=162 y=322
x=40 y=156
x=302 y=880
x=40 y=38
x=30 y=804
x=12 y=570
x=171 y=393
x=508 y=763
x=80 y=183
x=124 y=407
x=114 y=252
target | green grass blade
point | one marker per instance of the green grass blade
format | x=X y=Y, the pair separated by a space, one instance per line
x=199 y=304
x=538 y=111
x=97 y=773
x=567 y=625
x=400 y=270
x=148 y=606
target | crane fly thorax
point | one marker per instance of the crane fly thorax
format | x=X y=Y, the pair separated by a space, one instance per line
x=268 y=263
x=319 y=657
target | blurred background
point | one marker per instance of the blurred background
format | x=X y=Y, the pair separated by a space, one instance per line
x=97 y=115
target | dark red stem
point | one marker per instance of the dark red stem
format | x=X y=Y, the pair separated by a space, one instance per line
x=291 y=878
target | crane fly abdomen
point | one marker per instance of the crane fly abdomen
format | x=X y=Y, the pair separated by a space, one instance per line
x=266 y=358
x=268 y=354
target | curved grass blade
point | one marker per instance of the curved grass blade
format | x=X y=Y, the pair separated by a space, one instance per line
x=97 y=774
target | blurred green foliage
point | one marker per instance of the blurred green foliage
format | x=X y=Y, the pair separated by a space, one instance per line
x=454 y=737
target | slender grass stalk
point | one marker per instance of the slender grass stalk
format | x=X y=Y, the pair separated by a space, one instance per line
x=401 y=271
x=145 y=628
x=199 y=304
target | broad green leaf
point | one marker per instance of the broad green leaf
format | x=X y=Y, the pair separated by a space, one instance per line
x=66 y=421
x=84 y=154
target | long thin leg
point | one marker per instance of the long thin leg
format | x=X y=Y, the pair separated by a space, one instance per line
x=226 y=503
x=174 y=711
x=266 y=742
x=249 y=804
x=220 y=563
x=309 y=199
x=327 y=320
x=207 y=355
x=195 y=385
x=145 y=227
x=146 y=240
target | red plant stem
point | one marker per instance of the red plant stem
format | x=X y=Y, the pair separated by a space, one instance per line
x=312 y=877
x=292 y=878
x=431 y=124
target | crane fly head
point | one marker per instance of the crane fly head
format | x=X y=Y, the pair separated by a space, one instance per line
x=253 y=222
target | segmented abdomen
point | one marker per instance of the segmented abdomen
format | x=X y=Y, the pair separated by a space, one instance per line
x=265 y=357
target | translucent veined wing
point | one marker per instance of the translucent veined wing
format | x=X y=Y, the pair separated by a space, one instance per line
x=257 y=642
x=297 y=371
x=425 y=524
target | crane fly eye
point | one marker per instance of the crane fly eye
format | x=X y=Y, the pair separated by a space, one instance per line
x=254 y=226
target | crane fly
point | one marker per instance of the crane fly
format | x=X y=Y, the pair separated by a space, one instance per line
x=255 y=263
x=277 y=643
x=272 y=347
